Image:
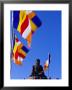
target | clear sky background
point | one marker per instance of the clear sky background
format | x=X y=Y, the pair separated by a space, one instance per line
x=46 y=39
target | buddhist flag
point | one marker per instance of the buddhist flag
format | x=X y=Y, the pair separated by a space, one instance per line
x=35 y=24
x=34 y=21
x=47 y=63
x=25 y=23
x=19 y=53
x=22 y=24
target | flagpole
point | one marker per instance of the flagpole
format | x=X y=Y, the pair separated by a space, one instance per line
x=11 y=40
x=49 y=64
x=48 y=72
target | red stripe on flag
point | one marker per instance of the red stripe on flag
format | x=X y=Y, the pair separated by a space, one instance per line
x=16 y=55
x=17 y=40
x=21 y=55
x=24 y=25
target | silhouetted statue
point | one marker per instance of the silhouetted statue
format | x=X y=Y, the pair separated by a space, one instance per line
x=37 y=71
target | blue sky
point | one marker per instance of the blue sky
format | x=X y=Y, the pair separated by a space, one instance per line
x=46 y=39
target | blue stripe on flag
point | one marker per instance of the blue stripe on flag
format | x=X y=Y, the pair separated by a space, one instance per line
x=37 y=21
x=16 y=19
x=20 y=38
x=25 y=49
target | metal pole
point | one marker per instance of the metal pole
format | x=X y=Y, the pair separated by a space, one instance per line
x=11 y=41
x=48 y=72
x=49 y=64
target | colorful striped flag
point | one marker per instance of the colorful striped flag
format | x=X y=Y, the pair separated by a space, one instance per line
x=25 y=23
x=34 y=21
x=47 y=63
x=19 y=51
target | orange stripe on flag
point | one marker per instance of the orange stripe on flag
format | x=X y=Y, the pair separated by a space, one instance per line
x=29 y=39
x=31 y=15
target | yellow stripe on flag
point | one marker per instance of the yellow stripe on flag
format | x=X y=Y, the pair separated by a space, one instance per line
x=20 y=50
x=22 y=18
x=33 y=26
x=15 y=47
x=20 y=46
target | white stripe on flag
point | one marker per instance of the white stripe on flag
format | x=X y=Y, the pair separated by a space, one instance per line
x=20 y=58
x=47 y=62
x=28 y=12
x=27 y=31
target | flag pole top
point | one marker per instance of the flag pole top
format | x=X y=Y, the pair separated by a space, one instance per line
x=49 y=55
